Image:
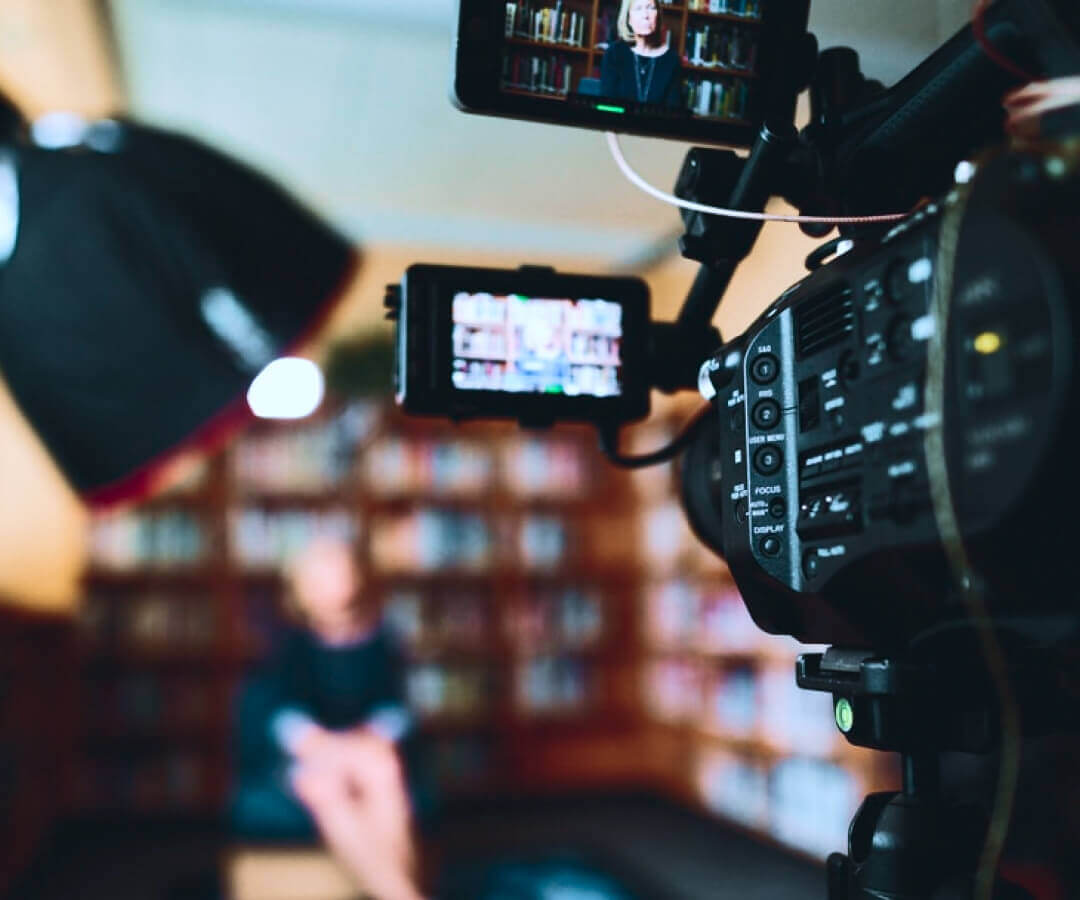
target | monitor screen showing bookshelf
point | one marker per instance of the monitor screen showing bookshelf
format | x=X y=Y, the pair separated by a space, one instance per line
x=692 y=59
x=536 y=345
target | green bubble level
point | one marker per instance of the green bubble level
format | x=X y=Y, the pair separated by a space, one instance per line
x=603 y=107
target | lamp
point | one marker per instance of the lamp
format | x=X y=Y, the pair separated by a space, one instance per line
x=145 y=281
x=150 y=279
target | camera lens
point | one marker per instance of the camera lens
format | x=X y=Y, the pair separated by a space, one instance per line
x=765 y=368
x=768 y=460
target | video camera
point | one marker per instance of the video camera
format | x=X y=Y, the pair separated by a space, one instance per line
x=885 y=460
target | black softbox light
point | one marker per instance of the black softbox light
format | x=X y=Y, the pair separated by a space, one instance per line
x=151 y=278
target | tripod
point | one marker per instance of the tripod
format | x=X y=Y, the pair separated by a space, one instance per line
x=913 y=843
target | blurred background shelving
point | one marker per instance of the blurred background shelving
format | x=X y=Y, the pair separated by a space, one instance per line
x=558 y=617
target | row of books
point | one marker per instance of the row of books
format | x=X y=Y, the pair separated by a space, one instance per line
x=310 y=457
x=146 y=703
x=430 y=540
x=148 y=622
x=433 y=540
x=552 y=684
x=459 y=691
x=742 y=703
x=729 y=46
x=539 y=73
x=749 y=8
x=479 y=342
x=395 y=465
x=125 y=541
x=803 y=802
x=307 y=459
x=526 y=467
x=492 y=342
x=261 y=538
x=556 y=24
x=596 y=349
x=563 y=617
x=514 y=377
x=171 y=780
x=480 y=308
x=555 y=683
x=666 y=542
x=432 y=619
x=707 y=615
x=723 y=98
x=534 y=467
x=461 y=759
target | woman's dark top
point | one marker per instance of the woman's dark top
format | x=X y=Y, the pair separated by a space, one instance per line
x=338 y=687
x=626 y=75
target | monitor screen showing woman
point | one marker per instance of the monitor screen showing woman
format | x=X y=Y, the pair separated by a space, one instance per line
x=642 y=57
x=642 y=66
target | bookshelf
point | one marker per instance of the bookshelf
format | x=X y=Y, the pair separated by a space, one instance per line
x=38 y=702
x=552 y=46
x=500 y=558
x=563 y=627
x=734 y=734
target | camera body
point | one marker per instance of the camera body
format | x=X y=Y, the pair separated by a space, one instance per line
x=527 y=344
x=901 y=420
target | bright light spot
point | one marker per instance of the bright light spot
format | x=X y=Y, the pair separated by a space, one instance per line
x=1056 y=167
x=844 y=246
x=9 y=206
x=920 y=271
x=988 y=342
x=965 y=171
x=923 y=328
x=57 y=130
x=288 y=388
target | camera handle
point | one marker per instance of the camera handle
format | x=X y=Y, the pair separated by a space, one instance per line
x=720 y=244
x=913 y=843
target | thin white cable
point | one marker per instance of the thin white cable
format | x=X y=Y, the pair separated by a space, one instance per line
x=620 y=160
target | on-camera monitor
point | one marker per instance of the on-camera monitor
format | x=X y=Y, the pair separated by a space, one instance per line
x=517 y=344
x=697 y=69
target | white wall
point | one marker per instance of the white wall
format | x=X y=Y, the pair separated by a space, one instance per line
x=346 y=101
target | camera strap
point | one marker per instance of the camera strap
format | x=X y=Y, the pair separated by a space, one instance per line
x=934 y=394
x=970 y=586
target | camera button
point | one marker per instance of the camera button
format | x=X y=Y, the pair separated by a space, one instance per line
x=768 y=460
x=765 y=369
x=811 y=563
x=770 y=545
x=778 y=508
x=766 y=414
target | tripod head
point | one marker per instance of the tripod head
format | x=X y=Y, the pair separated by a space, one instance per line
x=914 y=843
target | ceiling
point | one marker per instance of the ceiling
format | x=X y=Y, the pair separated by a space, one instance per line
x=346 y=102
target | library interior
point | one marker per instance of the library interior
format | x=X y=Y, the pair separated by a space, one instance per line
x=212 y=595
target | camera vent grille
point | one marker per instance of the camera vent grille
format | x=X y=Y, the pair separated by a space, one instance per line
x=824 y=321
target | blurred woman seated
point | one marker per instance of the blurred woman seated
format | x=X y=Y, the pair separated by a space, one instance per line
x=329 y=700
